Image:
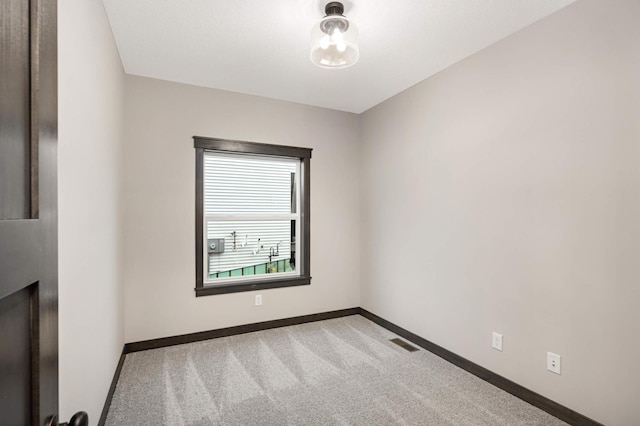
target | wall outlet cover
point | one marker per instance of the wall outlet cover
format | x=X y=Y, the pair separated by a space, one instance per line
x=496 y=341
x=258 y=299
x=553 y=362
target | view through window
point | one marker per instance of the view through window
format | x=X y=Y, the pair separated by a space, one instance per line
x=251 y=215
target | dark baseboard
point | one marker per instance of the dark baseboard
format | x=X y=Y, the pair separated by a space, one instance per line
x=533 y=398
x=112 y=389
x=231 y=331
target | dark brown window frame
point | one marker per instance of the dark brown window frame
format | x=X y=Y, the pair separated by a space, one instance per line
x=202 y=144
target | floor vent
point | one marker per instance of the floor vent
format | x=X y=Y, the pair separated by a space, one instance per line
x=404 y=345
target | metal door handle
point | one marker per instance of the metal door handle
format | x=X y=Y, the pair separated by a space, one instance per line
x=79 y=419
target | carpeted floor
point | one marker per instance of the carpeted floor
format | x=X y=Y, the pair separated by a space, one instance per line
x=337 y=372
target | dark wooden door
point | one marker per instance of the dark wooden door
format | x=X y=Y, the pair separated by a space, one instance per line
x=28 y=213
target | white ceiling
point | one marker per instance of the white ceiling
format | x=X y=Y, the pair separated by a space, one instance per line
x=261 y=47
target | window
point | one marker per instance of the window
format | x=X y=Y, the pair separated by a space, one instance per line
x=252 y=216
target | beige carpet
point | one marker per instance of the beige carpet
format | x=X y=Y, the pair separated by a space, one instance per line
x=342 y=371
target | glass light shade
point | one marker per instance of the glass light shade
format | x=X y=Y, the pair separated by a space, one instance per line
x=334 y=42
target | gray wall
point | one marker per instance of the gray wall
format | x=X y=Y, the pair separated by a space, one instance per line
x=91 y=84
x=512 y=182
x=159 y=227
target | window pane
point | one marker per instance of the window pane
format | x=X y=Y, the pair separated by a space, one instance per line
x=248 y=184
x=251 y=248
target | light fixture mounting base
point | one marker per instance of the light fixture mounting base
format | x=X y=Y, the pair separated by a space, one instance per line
x=334 y=8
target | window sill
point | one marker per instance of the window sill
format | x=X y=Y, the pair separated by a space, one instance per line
x=251 y=286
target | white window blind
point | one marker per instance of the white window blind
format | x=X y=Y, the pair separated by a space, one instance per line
x=247 y=184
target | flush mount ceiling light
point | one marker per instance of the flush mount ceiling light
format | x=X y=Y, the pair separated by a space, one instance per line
x=334 y=40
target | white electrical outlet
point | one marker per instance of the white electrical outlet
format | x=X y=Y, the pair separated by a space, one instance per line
x=258 y=299
x=497 y=341
x=553 y=362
